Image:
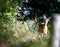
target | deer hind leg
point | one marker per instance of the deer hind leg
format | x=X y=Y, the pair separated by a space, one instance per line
x=44 y=34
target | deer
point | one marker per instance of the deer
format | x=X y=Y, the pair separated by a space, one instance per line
x=43 y=28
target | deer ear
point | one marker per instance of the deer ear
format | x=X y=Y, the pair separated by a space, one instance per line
x=44 y=16
x=50 y=18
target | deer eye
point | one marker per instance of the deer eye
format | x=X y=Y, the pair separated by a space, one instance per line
x=42 y=20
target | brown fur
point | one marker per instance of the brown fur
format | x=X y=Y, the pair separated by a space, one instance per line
x=41 y=27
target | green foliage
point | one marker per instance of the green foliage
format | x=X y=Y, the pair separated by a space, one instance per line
x=58 y=1
x=7 y=11
x=14 y=35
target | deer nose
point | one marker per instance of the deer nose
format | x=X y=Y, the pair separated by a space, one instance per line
x=42 y=23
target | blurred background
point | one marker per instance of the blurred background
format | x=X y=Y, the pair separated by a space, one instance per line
x=22 y=22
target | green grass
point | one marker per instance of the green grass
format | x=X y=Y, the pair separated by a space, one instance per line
x=31 y=38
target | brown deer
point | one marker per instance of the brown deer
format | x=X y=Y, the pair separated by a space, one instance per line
x=43 y=28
